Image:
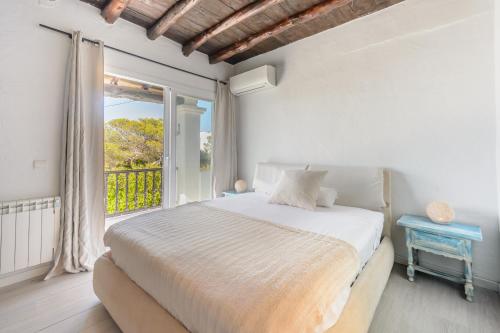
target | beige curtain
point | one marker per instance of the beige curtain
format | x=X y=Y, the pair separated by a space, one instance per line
x=82 y=161
x=224 y=154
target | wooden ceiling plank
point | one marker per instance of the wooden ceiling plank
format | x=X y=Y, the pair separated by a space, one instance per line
x=137 y=18
x=236 y=4
x=230 y=21
x=172 y=15
x=154 y=9
x=112 y=11
x=300 y=18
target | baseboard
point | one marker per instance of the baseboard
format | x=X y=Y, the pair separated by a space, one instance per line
x=24 y=274
x=477 y=280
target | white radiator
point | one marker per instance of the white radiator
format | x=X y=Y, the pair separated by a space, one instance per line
x=29 y=232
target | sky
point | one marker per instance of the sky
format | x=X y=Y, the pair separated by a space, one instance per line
x=125 y=108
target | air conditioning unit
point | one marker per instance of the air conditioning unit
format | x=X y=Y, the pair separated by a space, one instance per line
x=257 y=79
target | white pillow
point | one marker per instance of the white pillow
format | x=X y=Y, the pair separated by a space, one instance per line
x=267 y=175
x=298 y=188
x=326 y=197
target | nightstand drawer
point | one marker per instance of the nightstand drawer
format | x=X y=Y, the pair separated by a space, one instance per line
x=438 y=243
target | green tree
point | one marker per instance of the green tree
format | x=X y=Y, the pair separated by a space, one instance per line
x=133 y=144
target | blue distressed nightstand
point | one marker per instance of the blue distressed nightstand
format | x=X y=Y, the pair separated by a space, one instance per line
x=231 y=193
x=451 y=240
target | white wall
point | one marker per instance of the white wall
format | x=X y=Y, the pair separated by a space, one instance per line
x=32 y=72
x=497 y=91
x=410 y=88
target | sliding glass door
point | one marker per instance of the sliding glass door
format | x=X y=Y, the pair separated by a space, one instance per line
x=133 y=145
x=193 y=149
x=158 y=146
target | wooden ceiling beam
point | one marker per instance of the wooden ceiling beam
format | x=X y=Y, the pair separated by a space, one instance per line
x=233 y=19
x=172 y=15
x=112 y=11
x=300 y=18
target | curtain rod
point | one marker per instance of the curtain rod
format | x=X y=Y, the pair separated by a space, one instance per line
x=131 y=54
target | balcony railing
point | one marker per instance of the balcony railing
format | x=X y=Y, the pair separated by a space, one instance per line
x=128 y=191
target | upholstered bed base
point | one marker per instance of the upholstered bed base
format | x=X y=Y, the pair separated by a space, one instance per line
x=135 y=311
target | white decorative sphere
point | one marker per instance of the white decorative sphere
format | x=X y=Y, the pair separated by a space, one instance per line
x=440 y=212
x=240 y=186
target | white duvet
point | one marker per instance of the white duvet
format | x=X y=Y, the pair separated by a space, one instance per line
x=359 y=227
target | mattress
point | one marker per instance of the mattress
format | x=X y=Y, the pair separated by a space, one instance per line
x=359 y=227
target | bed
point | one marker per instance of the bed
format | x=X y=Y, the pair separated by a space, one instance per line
x=363 y=206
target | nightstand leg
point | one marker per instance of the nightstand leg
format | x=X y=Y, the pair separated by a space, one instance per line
x=410 y=270
x=469 y=288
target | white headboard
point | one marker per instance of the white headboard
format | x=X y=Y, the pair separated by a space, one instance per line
x=267 y=175
x=364 y=187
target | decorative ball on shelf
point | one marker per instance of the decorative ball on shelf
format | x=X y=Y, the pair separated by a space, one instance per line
x=240 y=186
x=440 y=212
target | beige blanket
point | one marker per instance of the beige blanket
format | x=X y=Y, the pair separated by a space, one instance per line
x=224 y=272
